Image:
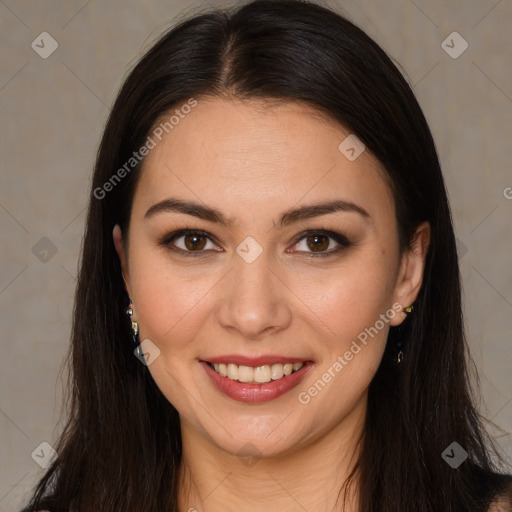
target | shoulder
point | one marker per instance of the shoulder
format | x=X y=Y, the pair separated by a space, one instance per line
x=502 y=502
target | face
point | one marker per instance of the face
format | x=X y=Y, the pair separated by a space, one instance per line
x=262 y=279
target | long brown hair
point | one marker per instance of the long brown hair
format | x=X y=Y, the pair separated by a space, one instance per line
x=120 y=449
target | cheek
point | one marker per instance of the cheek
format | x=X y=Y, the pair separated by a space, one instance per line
x=353 y=304
x=354 y=310
x=350 y=297
x=170 y=301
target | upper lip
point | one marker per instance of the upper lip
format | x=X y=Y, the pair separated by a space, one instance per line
x=255 y=361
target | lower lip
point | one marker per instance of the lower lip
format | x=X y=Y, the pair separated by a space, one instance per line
x=256 y=393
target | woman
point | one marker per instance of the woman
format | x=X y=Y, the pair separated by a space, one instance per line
x=268 y=208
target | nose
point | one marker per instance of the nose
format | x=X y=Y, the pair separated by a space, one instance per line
x=255 y=300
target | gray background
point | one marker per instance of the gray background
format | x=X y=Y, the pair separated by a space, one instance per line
x=52 y=114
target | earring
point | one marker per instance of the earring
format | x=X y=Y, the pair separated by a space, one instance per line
x=399 y=353
x=135 y=326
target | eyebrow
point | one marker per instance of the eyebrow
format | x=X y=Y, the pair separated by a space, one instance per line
x=288 y=217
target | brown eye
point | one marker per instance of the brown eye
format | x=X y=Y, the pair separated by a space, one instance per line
x=318 y=243
x=194 y=241
x=189 y=242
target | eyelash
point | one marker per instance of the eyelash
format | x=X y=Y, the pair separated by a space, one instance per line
x=343 y=241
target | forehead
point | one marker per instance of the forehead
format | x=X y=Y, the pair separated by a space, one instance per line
x=256 y=156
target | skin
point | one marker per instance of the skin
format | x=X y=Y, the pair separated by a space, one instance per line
x=253 y=161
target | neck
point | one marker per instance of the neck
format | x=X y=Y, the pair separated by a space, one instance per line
x=306 y=478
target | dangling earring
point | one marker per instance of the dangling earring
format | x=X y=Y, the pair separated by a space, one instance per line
x=135 y=326
x=399 y=353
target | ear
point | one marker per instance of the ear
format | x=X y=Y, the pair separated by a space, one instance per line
x=410 y=274
x=118 y=242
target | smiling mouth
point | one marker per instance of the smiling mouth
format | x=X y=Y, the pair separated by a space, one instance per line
x=256 y=375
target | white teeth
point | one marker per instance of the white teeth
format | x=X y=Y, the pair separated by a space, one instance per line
x=245 y=374
x=262 y=374
x=257 y=375
x=276 y=371
x=233 y=371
